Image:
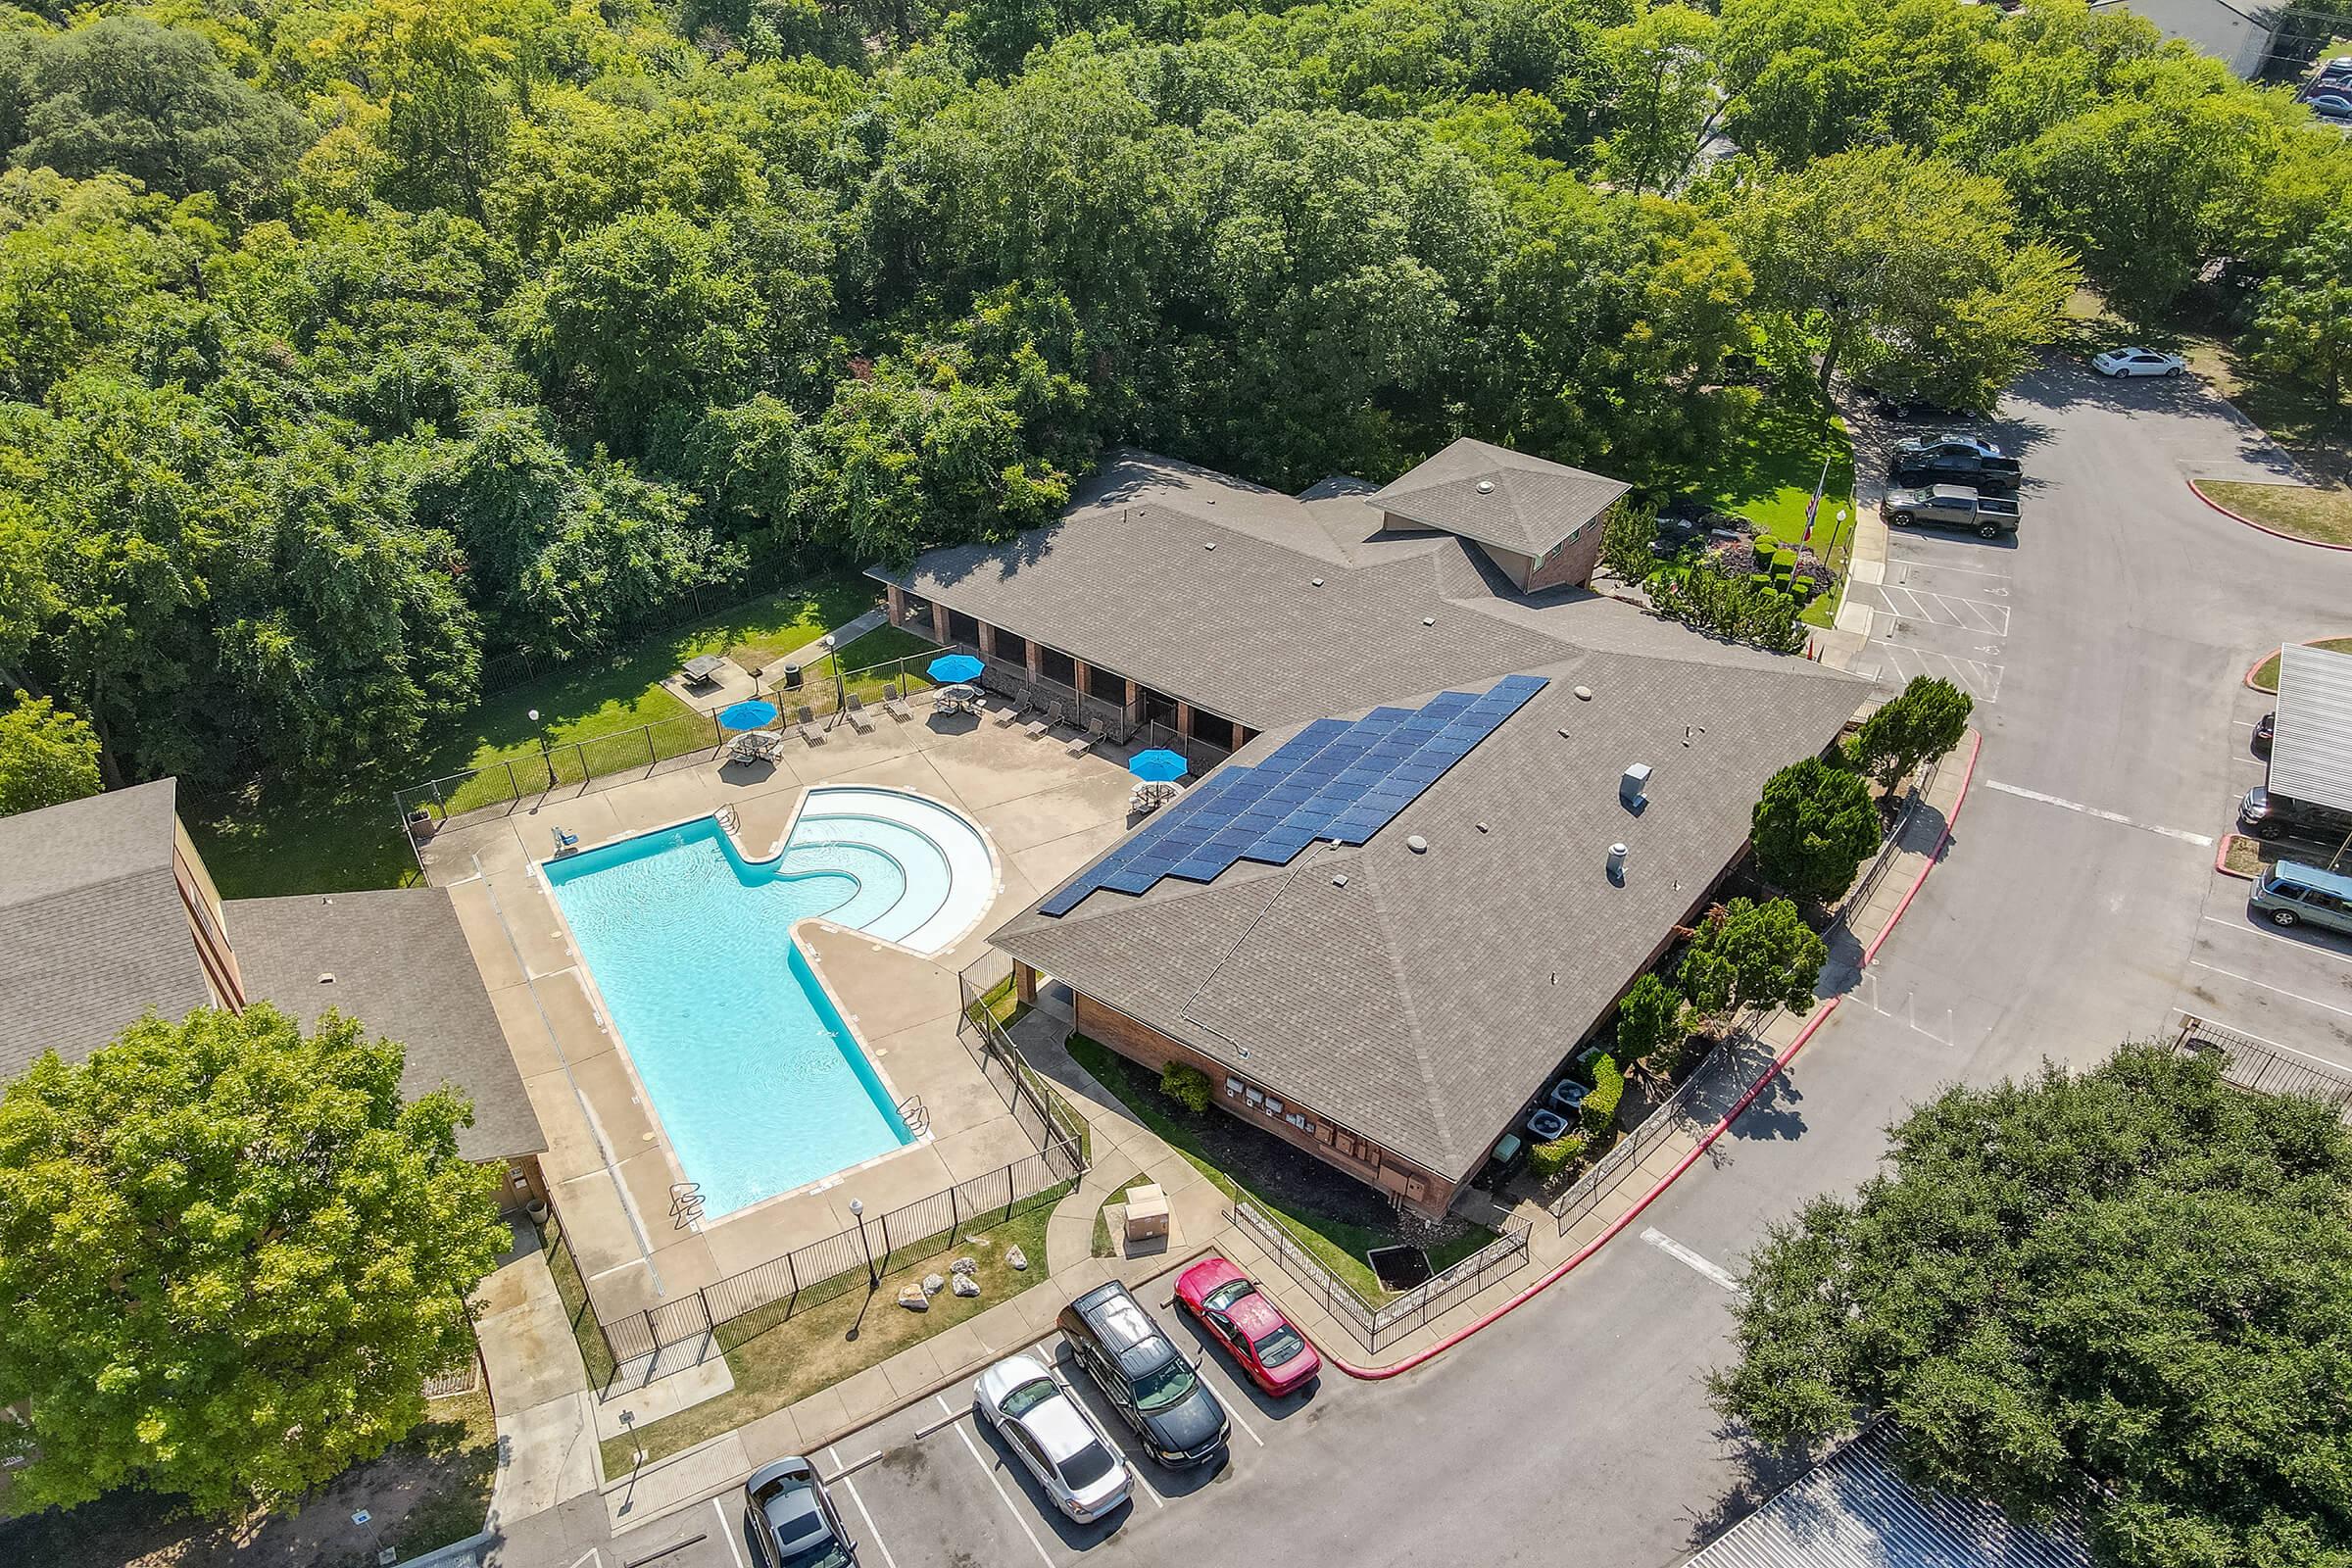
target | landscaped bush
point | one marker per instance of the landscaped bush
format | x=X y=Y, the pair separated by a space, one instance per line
x=1599 y=1112
x=1548 y=1159
x=1186 y=1085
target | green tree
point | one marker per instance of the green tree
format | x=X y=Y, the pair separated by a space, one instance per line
x=1927 y=718
x=1750 y=955
x=2126 y=1293
x=1629 y=532
x=46 y=756
x=1904 y=261
x=1666 y=102
x=2303 y=316
x=129 y=96
x=233 y=1254
x=1652 y=1020
x=1813 y=830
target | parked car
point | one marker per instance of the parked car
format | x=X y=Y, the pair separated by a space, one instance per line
x=2330 y=105
x=1148 y=1380
x=2337 y=70
x=2270 y=815
x=1070 y=1456
x=1944 y=441
x=1951 y=505
x=2138 y=362
x=793 y=1522
x=1991 y=475
x=2289 y=894
x=1238 y=1315
x=2264 y=733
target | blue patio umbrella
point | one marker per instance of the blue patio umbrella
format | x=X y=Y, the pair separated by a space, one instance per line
x=955 y=669
x=1158 y=766
x=748 y=715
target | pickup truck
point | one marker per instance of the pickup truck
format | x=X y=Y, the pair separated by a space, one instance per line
x=1951 y=505
x=1952 y=463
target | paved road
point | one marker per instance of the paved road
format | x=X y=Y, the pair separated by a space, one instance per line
x=2077 y=907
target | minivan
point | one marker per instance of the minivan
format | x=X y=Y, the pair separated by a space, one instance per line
x=2291 y=894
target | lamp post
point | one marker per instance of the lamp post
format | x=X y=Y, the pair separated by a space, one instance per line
x=546 y=760
x=873 y=1281
x=841 y=684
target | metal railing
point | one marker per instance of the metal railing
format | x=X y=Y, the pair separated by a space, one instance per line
x=821 y=695
x=1034 y=1109
x=2261 y=1068
x=848 y=1259
x=1373 y=1323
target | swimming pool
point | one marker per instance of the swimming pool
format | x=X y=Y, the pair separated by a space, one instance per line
x=750 y=1069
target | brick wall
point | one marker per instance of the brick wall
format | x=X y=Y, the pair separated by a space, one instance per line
x=1572 y=562
x=1329 y=1141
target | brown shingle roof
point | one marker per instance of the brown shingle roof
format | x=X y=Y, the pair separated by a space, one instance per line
x=1423 y=1001
x=1526 y=503
x=403 y=969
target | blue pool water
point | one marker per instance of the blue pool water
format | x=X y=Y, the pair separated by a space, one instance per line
x=756 y=1079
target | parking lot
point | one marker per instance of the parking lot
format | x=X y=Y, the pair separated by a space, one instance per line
x=934 y=1484
x=2291 y=989
x=1942 y=611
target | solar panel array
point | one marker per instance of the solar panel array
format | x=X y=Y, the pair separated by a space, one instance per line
x=1336 y=779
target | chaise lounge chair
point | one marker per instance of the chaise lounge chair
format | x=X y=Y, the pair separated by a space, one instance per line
x=894 y=704
x=1096 y=734
x=854 y=712
x=1040 y=726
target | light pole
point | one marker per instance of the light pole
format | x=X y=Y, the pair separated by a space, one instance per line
x=546 y=760
x=873 y=1281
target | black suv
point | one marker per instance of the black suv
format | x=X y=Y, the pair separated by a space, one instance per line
x=1156 y=1388
x=2275 y=816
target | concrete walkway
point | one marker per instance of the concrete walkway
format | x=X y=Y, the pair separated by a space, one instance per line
x=539 y=1395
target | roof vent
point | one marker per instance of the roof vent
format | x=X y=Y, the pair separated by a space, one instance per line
x=1339 y=881
x=1210 y=544
x=1583 y=694
x=1319 y=582
x=1617 y=853
x=326 y=979
x=1417 y=844
x=1429 y=620
x=1635 y=784
x=1486 y=487
x=1481 y=827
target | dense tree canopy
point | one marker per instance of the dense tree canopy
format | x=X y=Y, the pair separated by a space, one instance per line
x=341 y=346
x=2125 y=1294
x=46 y=757
x=232 y=1255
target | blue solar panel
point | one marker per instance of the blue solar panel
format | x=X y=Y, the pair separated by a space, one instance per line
x=1334 y=779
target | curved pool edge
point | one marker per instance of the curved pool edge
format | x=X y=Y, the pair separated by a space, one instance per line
x=988 y=847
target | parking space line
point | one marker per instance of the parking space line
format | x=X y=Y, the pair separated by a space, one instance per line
x=1910 y=559
x=727 y=1535
x=1683 y=1254
x=874 y=1530
x=2183 y=834
x=1244 y=1425
x=1003 y=1496
x=2273 y=936
x=2291 y=996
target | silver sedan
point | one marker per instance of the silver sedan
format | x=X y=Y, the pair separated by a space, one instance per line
x=1056 y=1438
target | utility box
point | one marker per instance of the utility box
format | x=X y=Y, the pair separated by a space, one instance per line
x=1147 y=1213
x=1635 y=785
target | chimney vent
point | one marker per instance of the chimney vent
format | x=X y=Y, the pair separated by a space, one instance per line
x=1635 y=785
x=1617 y=853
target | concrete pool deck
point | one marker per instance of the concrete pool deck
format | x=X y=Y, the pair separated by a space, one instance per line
x=608 y=1167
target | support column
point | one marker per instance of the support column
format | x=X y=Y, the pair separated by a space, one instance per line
x=1037 y=660
x=1024 y=983
x=1134 y=712
x=987 y=640
x=897 y=604
x=1183 y=719
x=1078 y=674
x=939 y=622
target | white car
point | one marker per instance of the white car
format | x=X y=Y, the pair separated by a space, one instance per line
x=2138 y=361
x=1056 y=1438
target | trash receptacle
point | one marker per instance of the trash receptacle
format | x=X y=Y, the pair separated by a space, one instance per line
x=792 y=677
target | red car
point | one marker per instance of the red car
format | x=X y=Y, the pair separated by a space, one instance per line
x=1275 y=1354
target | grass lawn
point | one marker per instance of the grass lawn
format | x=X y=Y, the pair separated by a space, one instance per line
x=1338 y=1243
x=2308 y=511
x=594 y=1352
x=2265 y=673
x=325 y=839
x=872 y=661
x=1768 y=473
x=787 y=1352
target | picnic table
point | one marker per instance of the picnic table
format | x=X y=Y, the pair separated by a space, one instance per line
x=704 y=668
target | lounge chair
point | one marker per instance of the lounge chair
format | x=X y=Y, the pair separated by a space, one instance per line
x=1016 y=703
x=1096 y=734
x=1040 y=726
x=803 y=720
x=894 y=703
x=855 y=712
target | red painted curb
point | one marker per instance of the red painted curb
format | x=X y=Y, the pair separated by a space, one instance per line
x=2222 y=855
x=2239 y=517
x=1379 y=1374
x=2257 y=664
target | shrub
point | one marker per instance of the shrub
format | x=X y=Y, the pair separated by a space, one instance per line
x=1186 y=1085
x=1651 y=1016
x=1545 y=1161
x=1813 y=828
x=1600 y=1113
x=1925 y=720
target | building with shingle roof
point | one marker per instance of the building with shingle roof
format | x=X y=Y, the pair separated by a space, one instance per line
x=1377 y=943
x=107 y=913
